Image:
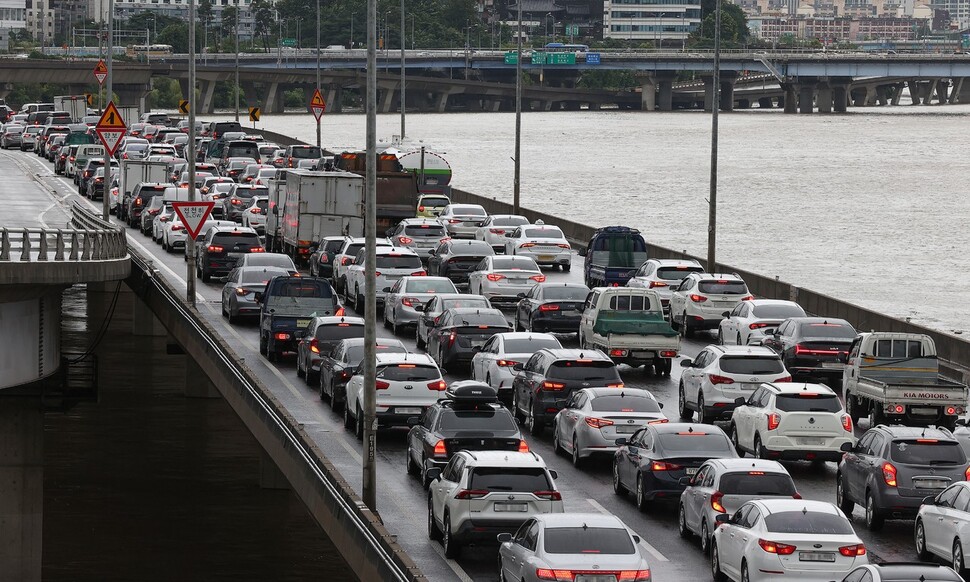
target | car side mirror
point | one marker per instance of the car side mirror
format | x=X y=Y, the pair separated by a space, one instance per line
x=686 y=363
x=504 y=538
x=518 y=367
x=554 y=474
x=389 y=232
x=258 y=297
x=419 y=308
x=436 y=212
x=314 y=247
x=413 y=421
x=433 y=474
x=847 y=447
x=520 y=295
x=476 y=349
x=636 y=538
x=276 y=210
x=722 y=518
x=431 y=252
x=508 y=235
x=726 y=314
x=740 y=401
x=620 y=441
x=685 y=480
x=929 y=500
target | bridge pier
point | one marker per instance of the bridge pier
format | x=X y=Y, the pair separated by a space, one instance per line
x=270 y=476
x=765 y=103
x=956 y=92
x=208 y=92
x=942 y=90
x=665 y=101
x=824 y=98
x=791 y=98
x=132 y=95
x=274 y=100
x=334 y=95
x=930 y=91
x=648 y=93
x=915 y=91
x=897 y=90
x=386 y=99
x=197 y=383
x=441 y=104
x=143 y=320
x=21 y=487
x=882 y=94
x=726 y=97
x=840 y=98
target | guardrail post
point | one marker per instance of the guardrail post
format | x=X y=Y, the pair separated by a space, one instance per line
x=25 y=246
x=5 y=245
x=59 y=250
x=74 y=245
x=86 y=252
x=97 y=246
x=42 y=256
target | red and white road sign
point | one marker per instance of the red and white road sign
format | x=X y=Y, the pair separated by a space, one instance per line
x=101 y=72
x=317 y=104
x=111 y=128
x=193 y=215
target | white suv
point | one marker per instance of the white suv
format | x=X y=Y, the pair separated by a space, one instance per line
x=701 y=299
x=406 y=385
x=663 y=276
x=481 y=494
x=792 y=422
x=712 y=382
x=345 y=256
x=392 y=264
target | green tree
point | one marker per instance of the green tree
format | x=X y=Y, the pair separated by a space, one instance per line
x=230 y=20
x=734 y=25
x=263 y=19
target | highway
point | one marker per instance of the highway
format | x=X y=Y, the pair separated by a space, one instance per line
x=401 y=499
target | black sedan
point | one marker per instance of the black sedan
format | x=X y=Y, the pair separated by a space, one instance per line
x=338 y=364
x=657 y=458
x=551 y=307
x=321 y=260
x=461 y=332
x=468 y=418
x=319 y=337
x=455 y=259
x=813 y=347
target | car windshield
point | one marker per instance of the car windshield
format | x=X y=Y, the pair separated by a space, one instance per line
x=297 y=287
x=588 y=540
x=261 y=275
x=477 y=420
x=927 y=452
x=756 y=483
x=435 y=230
x=514 y=263
x=408 y=372
x=543 y=232
x=565 y=293
x=624 y=403
x=485 y=318
x=751 y=365
x=778 y=311
x=828 y=329
x=723 y=287
x=714 y=444
x=478 y=248
x=338 y=331
x=420 y=285
x=468 y=210
x=808 y=522
x=808 y=402
x=601 y=371
x=530 y=345
x=306 y=152
x=398 y=262
x=518 y=479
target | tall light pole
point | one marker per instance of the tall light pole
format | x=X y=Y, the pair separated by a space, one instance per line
x=369 y=490
x=236 y=89
x=190 y=157
x=105 y=199
x=403 y=75
x=318 y=67
x=516 y=183
x=715 y=106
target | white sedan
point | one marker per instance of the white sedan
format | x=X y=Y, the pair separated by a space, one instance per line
x=493 y=364
x=255 y=215
x=792 y=539
x=494 y=227
x=943 y=526
x=174 y=233
x=748 y=321
x=545 y=244
x=502 y=278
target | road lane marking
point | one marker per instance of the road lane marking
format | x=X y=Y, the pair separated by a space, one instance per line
x=653 y=551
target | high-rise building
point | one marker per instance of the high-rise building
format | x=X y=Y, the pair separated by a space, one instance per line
x=658 y=21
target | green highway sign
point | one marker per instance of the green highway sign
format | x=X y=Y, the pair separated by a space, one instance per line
x=290 y=42
x=540 y=58
x=511 y=57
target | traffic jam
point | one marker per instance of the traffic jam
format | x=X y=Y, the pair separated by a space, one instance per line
x=547 y=410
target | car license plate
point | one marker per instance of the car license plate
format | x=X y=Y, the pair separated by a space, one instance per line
x=510 y=507
x=596 y=578
x=833 y=365
x=547 y=258
x=816 y=556
x=750 y=386
x=929 y=483
x=691 y=470
x=627 y=429
x=301 y=323
x=810 y=441
x=407 y=410
x=923 y=410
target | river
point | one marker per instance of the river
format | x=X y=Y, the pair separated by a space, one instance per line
x=868 y=206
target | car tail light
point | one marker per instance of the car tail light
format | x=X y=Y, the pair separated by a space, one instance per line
x=846 y=423
x=716 y=502
x=950 y=410
x=668 y=354
x=235 y=202
x=255 y=211
x=658 y=421
x=452 y=337
x=453 y=221
x=563 y=245
x=437 y=385
x=598 y=422
x=505 y=363
x=615 y=385
x=796 y=495
x=409 y=301
x=421 y=273
x=664 y=466
x=345 y=261
x=257 y=250
x=774 y=419
x=315 y=346
x=655 y=284
x=889 y=474
x=697 y=298
x=633 y=576
x=405 y=240
x=176 y=227
x=163 y=219
x=494 y=277
x=439 y=449
x=785 y=379
x=757 y=325
x=421 y=208
x=776 y=548
x=618 y=353
x=548 y=495
x=715 y=379
x=496 y=231
x=215 y=249
x=966 y=474
x=154 y=212
x=747 y=298
x=471 y=494
x=800 y=349
x=854 y=550
x=549 y=307
x=282 y=336
x=538 y=278
x=382 y=385
x=242 y=291
x=526 y=245
x=547 y=385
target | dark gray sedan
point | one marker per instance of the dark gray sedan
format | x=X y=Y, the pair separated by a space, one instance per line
x=242 y=285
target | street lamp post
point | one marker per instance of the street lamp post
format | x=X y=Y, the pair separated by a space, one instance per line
x=518 y=110
x=369 y=489
x=318 y=67
x=715 y=106
x=403 y=75
x=236 y=88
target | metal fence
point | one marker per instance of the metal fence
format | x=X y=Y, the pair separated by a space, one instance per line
x=87 y=238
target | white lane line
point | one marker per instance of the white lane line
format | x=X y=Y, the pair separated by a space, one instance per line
x=654 y=551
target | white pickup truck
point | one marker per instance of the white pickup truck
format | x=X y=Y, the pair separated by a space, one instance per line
x=894 y=378
x=627 y=324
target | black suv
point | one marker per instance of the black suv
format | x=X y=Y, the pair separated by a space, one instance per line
x=547 y=380
x=891 y=469
x=221 y=247
x=139 y=199
x=813 y=347
x=461 y=332
x=467 y=418
x=455 y=259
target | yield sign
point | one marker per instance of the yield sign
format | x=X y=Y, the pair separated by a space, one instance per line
x=193 y=215
x=101 y=72
x=111 y=128
x=317 y=104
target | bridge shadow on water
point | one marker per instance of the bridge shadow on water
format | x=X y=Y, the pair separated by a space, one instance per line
x=147 y=484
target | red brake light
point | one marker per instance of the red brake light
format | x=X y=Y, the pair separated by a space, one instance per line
x=437 y=385
x=496 y=231
x=855 y=550
x=439 y=449
x=505 y=363
x=663 y=466
x=618 y=353
x=257 y=250
x=747 y=298
x=382 y=385
x=715 y=379
x=785 y=379
x=282 y=336
x=966 y=474
x=776 y=548
x=774 y=419
x=314 y=346
x=697 y=298
x=846 y=423
x=345 y=261
x=523 y=446
x=176 y=227
x=405 y=240
x=598 y=422
x=235 y=202
x=549 y=307
x=655 y=284
x=340 y=312
x=494 y=277
x=215 y=249
x=799 y=349
x=548 y=495
x=889 y=474
x=453 y=221
x=716 y=502
x=421 y=208
x=538 y=278
x=471 y=493
x=547 y=385
x=757 y=325
x=255 y=211
x=421 y=273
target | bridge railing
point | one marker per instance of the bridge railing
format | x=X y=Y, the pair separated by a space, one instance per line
x=86 y=238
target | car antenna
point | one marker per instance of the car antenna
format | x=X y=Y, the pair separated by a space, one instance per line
x=585 y=527
x=690 y=429
x=804 y=511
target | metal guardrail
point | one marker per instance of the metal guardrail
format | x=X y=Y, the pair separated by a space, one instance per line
x=87 y=238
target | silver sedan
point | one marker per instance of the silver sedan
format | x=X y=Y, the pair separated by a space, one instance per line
x=404 y=303
x=502 y=278
x=242 y=285
x=462 y=220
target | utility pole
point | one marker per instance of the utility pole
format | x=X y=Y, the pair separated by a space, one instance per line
x=403 y=75
x=237 y=61
x=105 y=199
x=369 y=413
x=715 y=106
x=190 y=157
x=318 y=67
x=518 y=112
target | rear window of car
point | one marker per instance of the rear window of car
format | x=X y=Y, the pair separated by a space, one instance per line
x=417 y=285
x=529 y=346
x=630 y=303
x=512 y=479
x=513 y=263
x=543 y=233
x=827 y=329
x=332 y=246
x=408 y=372
x=353 y=249
x=303 y=288
x=470 y=302
x=778 y=311
x=696 y=441
x=261 y=276
x=588 y=540
x=808 y=402
x=230 y=239
x=589 y=371
x=355 y=354
x=435 y=201
x=509 y=221
x=270 y=260
x=751 y=365
x=434 y=230
x=808 y=522
x=927 y=452
x=479 y=248
x=486 y=420
x=244 y=193
x=468 y=210
x=621 y=403
x=306 y=152
x=338 y=331
x=723 y=287
x=565 y=293
x=262 y=204
x=485 y=318
x=398 y=262
x=756 y=483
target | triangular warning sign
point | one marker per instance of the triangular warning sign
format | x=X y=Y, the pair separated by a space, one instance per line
x=193 y=215
x=101 y=72
x=317 y=104
x=111 y=118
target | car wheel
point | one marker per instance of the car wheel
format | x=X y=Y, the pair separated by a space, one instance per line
x=556 y=441
x=876 y=417
x=759 y=451
x=413 y=468
x=640 y=494
x=394 y=327
x=358 y=302
x=874 y=516
x=841 y=499
x=577 y=460
x=685 y=329
x=441 y=358
x=448 y=543
x=705 y=537
x=852 y=408
x=516 y=411
x=736 y=440
x=685 y=413
x=921 y=553
x=682 y=523
x=359 y=424
x=309 y=375
x=323 y=393
x=738 y=340
x=745 y=577
x=702 y=414
x=434 y=533
x=232 y=318
x=618 y=487
x=529 y=327
x=716 y=572
x=720 y=337
x=957 y=563
x=417 y=339
x=348 y=420
x=535 y=426
x=206 y=276
x=262 y=344
x=300 y=373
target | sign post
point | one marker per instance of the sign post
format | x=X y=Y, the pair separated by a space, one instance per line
x=100 y=73
x=318 y=106
x=110 y=129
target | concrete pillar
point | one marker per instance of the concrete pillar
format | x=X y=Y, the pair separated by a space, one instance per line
x=208 y=92
x=387 y=100
x=955 y=93
x=806 y=97
x=859 y=96
x=791 y=99
x=840 y=97
x=897 y=93
x=727 y=95
x=272 y=97
x=882 y=95
x=143 y=321
x=930 y=91
x=593 y=106
x=765 y=103
x=648 y=92
x=708 y=93
x=21 y=488
x=914 y=91
x=333 y=98
x=665 y=101
x=442 y=102
x=824 y=98
x=197 y=383
x=183 y=88
x=270 y=476
x=942 y=90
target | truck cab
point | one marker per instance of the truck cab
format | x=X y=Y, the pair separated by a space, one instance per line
x=287 y=305
x=613 y=255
